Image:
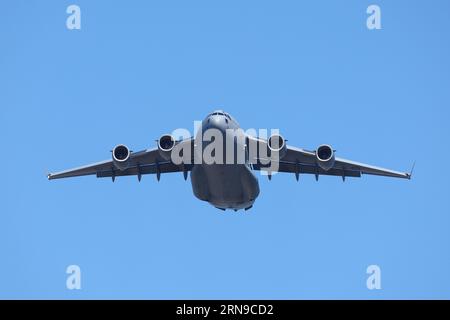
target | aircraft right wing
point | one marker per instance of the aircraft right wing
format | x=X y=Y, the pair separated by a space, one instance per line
x=143 y=162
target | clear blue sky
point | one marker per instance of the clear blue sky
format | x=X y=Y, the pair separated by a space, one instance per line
x=139 y=69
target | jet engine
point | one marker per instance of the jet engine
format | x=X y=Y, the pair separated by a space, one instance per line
x=121 y=155
x=277 y=146
x=165 y=146
x=325 y=157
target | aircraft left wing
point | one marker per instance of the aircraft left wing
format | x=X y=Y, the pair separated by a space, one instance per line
x=300 y=161
x=143 y=162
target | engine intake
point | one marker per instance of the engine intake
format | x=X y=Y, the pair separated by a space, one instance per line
x=121 y=155
x=165 y=145
x=325 y=157
x=277 y=146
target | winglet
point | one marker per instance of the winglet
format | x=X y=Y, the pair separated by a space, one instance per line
x=411 y=172
x=50 y=176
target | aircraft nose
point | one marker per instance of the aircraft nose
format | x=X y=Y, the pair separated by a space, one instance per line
x=217 y=122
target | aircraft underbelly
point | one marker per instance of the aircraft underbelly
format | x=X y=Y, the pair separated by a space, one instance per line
x=225 y=186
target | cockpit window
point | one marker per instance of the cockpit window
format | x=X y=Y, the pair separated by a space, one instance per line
x=220 y=113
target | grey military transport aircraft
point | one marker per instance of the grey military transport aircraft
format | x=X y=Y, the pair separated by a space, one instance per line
x=226 y=184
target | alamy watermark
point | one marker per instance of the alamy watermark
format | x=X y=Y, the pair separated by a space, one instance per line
x=374 y=280
x=73 y=21
x=73 y=281
x=211 y=146
x=373 y=21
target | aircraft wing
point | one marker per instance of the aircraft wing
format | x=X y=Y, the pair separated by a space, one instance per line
x=301 y=161
x=143 y=162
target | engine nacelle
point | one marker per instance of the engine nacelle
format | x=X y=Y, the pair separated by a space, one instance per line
x=277 y=146
x=165 y=145
x=121 y=155
x=325 y=157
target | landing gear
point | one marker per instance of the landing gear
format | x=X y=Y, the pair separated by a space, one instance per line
x=235 y=210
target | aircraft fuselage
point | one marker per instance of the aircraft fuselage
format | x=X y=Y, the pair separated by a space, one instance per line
x=225 y=186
